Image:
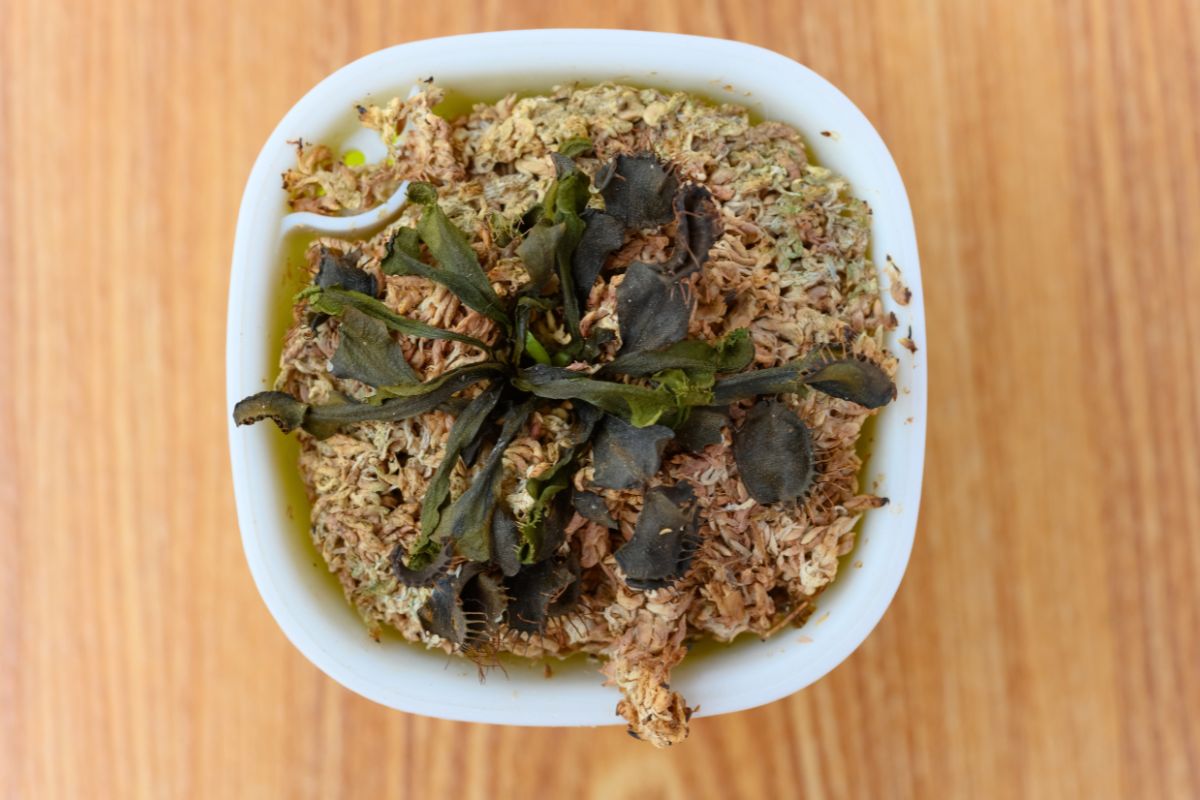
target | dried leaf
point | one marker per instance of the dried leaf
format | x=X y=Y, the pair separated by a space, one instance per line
x=366 y=352
x=848 y=378
x=602 y=236
x=698 y=229
x=592 y=507
x=532 y=591
x=341 y=270
x=626 y=456
x=637 y=190
x=773 y=451
x=442 y=614
x=702 y=428
x=415 y=575
x=653 y=310
x=285 y=411
x=861 y=382
x=665 y=538
x=539 y=252
x=505 y=542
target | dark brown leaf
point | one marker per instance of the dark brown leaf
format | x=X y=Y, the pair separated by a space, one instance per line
x=665 y=539
x=702 y=428
x=532 y=591
x=653 y=310
x=773 y=451
x=637 y=190
x=592 y=507
x=626 y=456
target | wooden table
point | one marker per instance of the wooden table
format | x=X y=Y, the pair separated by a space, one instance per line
x=1046 y=642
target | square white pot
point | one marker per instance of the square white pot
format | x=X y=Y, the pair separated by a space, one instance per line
x=307 y=604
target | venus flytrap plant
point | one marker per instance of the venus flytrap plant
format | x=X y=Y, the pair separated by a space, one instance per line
x=489 y=565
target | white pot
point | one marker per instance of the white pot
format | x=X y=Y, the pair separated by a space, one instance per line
x=308 y=605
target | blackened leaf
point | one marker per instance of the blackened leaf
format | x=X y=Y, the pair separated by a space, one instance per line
x=861 y=382
x=773 y=451
x=466 y=427
x=592 y=507
x=366 y=352
x=281 y=408
x=575 y=146
x=602 y=236
x=334 y=301
x=637 y=190
x=442 y=614
x=484 y=599
x=569 y=597
x=504 y=541
x=407 y=241
x=468 y=520
x=544 y=527
x=702 y=428
x=532 y=591
x=844 y=377
x=639 y=405
x=698 y=229
x=539 y=251
x=457 y=265
x=665 y=538
x=626 y=456
x=732 y=354
x=412 y=574
x=323 y=421
x=652 y=309
x=341 y=270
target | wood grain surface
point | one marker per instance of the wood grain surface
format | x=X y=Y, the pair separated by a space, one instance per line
x=1046 y=642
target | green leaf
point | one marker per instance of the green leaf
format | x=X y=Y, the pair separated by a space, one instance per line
x=689 y=388
x=639 y=405
x=468 y=521
x=626 y=456
x=637 y=190
x=407 y=241
x=285 y=411
x=539 y=251
x=733 y=353
x=575 y=146
x=525 y=306
x=366 y=352
x=323 y=421
x=466 y=427
x=457 y=265
x=333 y=301
x=544 y=526
x=773 y=451
x=535 y=349
x=665 y=538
